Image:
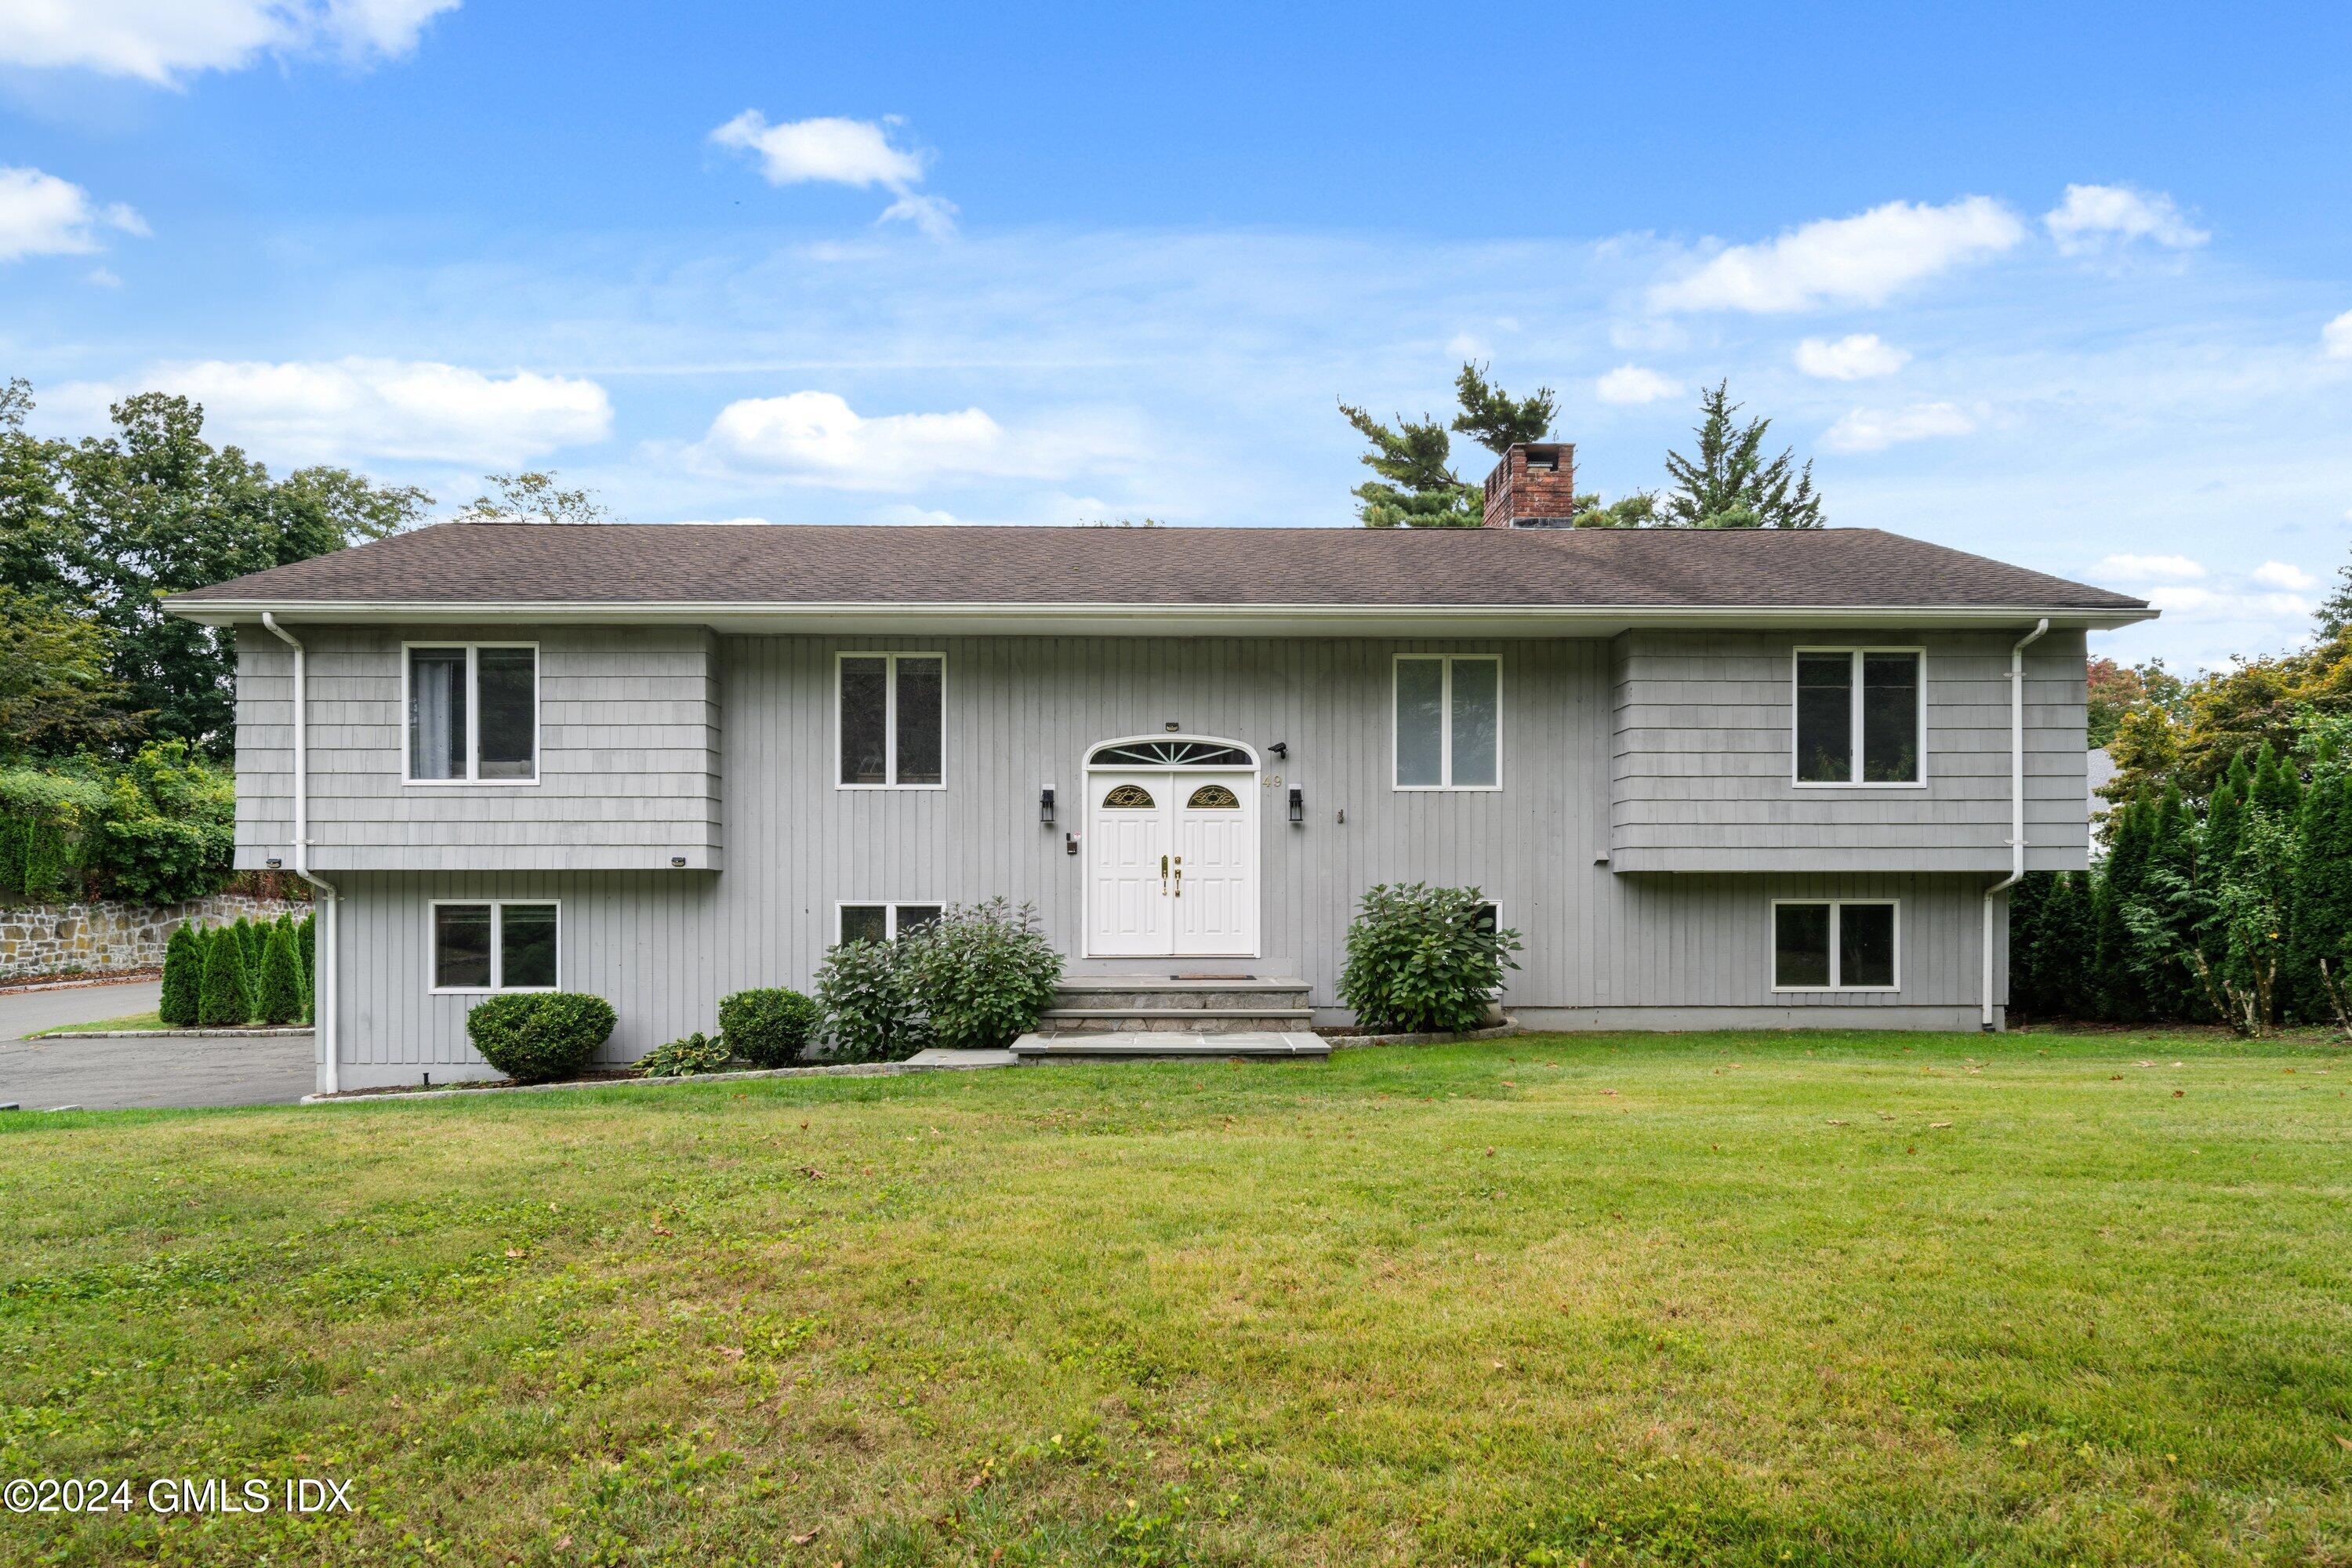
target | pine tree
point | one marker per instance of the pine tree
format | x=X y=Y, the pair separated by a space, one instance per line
x=1495 y=419
x=2171 y=866
x=308 y=933
x=227 y=1000
x=2321 y=917
x=278 y=998
x=2225 y=822
x=1731 y=483
x=184 y=976
x=249 y=935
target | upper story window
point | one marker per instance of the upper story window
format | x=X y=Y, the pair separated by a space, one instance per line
x=473 y=713
x=1449 y=721
x=1862 y=716
x=893 y=711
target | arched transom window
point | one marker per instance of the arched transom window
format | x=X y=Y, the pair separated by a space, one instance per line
x=1171 y=754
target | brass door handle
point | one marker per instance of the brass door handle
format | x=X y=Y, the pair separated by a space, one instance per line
x=1179 y=876
x=1163 y=875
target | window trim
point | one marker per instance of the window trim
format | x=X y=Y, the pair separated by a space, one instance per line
x=497 y=908
x=890 y=906
x=889 y=716
x=1444 y=727
x=1837 y=922
x=1854 y=716
x=473 y=717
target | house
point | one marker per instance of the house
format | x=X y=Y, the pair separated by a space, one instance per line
x=1740 y=778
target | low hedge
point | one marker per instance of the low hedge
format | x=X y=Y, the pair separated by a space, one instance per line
x=532 y=1036
x=768 y=1026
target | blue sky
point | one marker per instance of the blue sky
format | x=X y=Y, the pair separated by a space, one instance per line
x=2074 y=289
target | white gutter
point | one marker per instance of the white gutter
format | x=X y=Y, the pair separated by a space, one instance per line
x=2016 y=800
x=323 y=996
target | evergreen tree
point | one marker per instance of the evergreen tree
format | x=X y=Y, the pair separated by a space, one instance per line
x=2061 y=944
x=2321 y=903
x=1415 y=488
x=2171 y=867
x=1495 y=419
x=227 y=1000
x=184 y=976
x=307 y=933
x=2121 y=998
x=1731 y=483
x=2278 y=788
x=249 y=935
x=2027 y=993
x=278 y=998
x=2225 y=819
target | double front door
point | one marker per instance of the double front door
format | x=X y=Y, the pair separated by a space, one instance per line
x=1171 y=864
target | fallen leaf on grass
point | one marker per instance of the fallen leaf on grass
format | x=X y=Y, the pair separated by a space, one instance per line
x=732 y=1353
x=2178 y=1093
x=659 y=1230
x=514 y=1252
x=803 y=1540
x=2340 y=1437
x=1939 y=1124
x=1835 y=1122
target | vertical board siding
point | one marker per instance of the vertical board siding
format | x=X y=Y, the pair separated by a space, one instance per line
x=1702 y=739
x=1021 y=714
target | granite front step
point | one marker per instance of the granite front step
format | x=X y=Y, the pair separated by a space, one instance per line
x=1272 y=997
x=1163 y=1044
x=1201 y=1020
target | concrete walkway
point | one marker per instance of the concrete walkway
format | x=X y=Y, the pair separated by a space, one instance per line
x=162 y=1070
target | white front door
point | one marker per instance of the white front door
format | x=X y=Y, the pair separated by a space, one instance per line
x=1171 y=865
x=1128 y=870
x=1215 y=890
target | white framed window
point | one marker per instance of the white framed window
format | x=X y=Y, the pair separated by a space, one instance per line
x=1448 y=714
x=493 y=945
x=1861 y=717
x=470 y=712
x=1837 y=944
x=891 y=729
x=880 y=919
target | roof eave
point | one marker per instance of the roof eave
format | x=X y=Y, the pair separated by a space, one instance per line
x=1137 y=620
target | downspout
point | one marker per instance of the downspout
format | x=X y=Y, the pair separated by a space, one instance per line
x=322 y=995
x=2016 y=800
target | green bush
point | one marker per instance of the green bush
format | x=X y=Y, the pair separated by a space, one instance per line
x=1419 y=962
x=870 y=1012
x=537 y=1036
x=226 y=1000
x=43 y=817
x=184 y=976
x=697 y=1052
x=981 y=975
x=767 y=1028
x=167 y=830
x=277 y=997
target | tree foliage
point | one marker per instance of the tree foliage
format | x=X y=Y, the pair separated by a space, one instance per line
x=1731 y=483
x=1416 y=487
x=532 y=496
x=97 y=528
x=2115 y=690
x=1497 y=420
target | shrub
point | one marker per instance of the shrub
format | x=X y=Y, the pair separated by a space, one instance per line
x=277 y=997
x=1418 y=962
x=870 y=1013
x=43 y=817
x=166 y=828
x=248 y=936
x=184 y=976
x=697 y=1052
x=767 y=1028
x=226 y=999
x=306 y=939
x=540 y=1035
x=981 y=975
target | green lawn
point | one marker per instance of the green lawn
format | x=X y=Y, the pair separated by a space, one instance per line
x=142 y=1022
x=1709 y=1298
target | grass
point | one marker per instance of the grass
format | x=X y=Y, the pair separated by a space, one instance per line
x=140 y=1021
x=1710 y=1298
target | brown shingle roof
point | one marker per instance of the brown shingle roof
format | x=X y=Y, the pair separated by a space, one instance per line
x=669 y=563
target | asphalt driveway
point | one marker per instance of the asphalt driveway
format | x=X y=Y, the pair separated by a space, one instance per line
x=113 y=1075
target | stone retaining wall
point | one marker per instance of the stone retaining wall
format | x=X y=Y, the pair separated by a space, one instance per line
x=42 y=940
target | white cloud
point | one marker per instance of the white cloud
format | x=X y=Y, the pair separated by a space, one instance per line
x=832 y=150
x=816 y=438
x=1633 y=383
x=1856 y=357
x=2178 y=600
x=1875 y=430
x=2280 y=574
x=161 y=41
x=352 y=409
x=2093 y=216
x=2336 y=341
x=1859 y=261
x=41 y=215
x=2206 y=604
x=2151 y=568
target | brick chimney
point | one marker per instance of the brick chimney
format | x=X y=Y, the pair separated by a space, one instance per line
x=1533 y=486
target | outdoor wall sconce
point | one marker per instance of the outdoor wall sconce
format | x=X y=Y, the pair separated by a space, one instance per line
x=274 y=862
x=1298 y=808
x=677 y=862
x=1045 y=807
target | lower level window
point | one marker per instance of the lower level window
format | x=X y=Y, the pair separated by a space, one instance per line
x=1834 y=944
x=884 y=922
x=494 y=946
